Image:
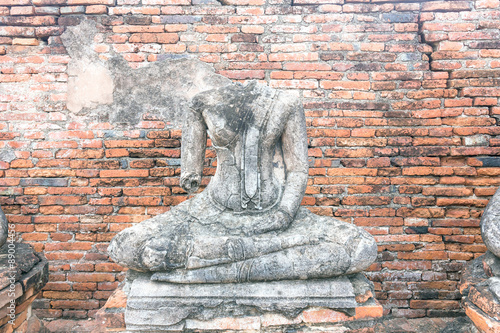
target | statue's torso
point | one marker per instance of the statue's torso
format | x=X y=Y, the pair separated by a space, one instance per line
x=245 y=134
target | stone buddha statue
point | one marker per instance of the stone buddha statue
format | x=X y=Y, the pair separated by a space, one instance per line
x=247 y=225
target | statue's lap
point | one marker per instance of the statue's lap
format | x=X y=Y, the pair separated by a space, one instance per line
x=200 y=224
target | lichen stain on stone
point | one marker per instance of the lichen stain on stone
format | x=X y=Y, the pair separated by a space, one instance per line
x=111 y=91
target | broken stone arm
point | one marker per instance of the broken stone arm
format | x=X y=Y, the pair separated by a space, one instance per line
x=294 y=144
x=194 y=141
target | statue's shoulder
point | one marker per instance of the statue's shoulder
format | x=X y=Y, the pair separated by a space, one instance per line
x=289 y=103
x=252 y=94
x=214 y=97
x=203 y=100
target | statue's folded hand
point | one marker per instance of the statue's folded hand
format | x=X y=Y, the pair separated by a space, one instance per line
x=278 y=220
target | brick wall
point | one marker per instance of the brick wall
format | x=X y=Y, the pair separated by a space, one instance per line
x=401 y=99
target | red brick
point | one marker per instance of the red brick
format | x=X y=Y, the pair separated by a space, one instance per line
x=79 y=304
x=162 y=38
x=64 y=135
x=446 y=6
x=62 y=200
x=243 y=75
x=91 y=277
x=434 y=304
x=423 y=255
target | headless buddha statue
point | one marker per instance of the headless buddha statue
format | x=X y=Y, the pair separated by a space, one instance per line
x=247 y=225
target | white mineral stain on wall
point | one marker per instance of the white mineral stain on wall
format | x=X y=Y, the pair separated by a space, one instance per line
x=91 y=85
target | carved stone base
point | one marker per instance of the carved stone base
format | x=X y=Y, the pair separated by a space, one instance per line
x=479 y=288
x=163 y=307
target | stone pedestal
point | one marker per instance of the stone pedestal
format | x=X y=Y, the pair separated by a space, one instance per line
x=243 y=254
x=480 y=297
x=21 y=280
x=165 y=307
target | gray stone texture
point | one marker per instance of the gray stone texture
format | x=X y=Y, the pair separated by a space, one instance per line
x=114 y=92
x=4 y=228
x=7 y=154
x=490 y=225
x=491 y=264
x=247 y=225
x=24 y=260
x=491 y=267
x=23 y=274
x=158 y=306
x=494 y=286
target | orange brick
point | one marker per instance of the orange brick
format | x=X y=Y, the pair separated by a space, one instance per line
x=123 y=173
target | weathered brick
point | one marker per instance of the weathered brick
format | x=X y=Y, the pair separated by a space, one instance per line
x=124 y=173
x=446 y=6
x=162 y=38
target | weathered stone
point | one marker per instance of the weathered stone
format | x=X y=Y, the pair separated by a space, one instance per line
x=494 y=288
x=166 y=305
x=491 y=264
x=480 y=288
x=112 y=91
x=37 y=277
x=110 y=318
x=26 y=257
x=24 y=260
x=485 y=299
x=7 y=154
x=23 y=273
x=473 y=274
x=4 y=228
x=490 y=225
x=246 y=225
